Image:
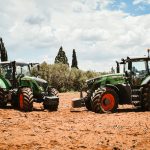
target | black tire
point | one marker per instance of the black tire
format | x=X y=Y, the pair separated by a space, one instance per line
x=87 y=101
x=25 y=99
x=105 y=102
x=53 y=92
x=96 y=103
x=145 y=104
x=3 y=100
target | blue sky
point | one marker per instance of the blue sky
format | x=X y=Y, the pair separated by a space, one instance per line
x=135 y=8
x=101 y=31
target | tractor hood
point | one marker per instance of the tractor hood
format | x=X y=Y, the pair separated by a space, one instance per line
x=41 y=84
x=105 y=77
x=92 y=80
x=39 y=80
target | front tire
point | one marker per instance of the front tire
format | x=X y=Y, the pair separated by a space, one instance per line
x=25 y=99
x=105 y=102
x=53 y=92
x=3 y=100
x=145 y=104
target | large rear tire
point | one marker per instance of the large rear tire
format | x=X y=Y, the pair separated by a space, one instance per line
x=25 y=99
x=105 y=102
x=145 y=104
x=3 y=100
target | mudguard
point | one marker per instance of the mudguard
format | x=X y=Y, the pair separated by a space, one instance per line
x=145 y=81
x=112 y=87
x=4 y=83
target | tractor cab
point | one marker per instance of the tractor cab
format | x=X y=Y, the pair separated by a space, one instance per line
x=136 y=69
x=8 y=69
x=16 y=68
x=14 y=71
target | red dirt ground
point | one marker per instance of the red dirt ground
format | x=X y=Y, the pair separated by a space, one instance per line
x=128 y=129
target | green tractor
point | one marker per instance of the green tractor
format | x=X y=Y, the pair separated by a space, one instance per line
x=20 y=89
x=105 y=93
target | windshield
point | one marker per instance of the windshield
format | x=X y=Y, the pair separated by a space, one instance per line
x=139 y=67
x=21 y=69
x=137 y=70
x=6 y=71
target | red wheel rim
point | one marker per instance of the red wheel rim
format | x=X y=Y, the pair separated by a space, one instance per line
x=21 y=101
x=107 y=102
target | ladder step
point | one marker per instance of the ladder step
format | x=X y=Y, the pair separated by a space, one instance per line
x=135 y=96
x=136 y=92
x=136 y=103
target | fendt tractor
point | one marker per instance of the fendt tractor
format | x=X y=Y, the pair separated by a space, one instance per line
x=20 y=89
x=105 y=93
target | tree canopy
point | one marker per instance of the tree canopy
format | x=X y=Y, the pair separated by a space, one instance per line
x=3 y=52
x=61 y=57
x=74 y=60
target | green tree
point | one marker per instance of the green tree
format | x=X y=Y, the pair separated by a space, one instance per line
x=3 y=52
x=61 y=57
x=74 y=60
x=62 y=77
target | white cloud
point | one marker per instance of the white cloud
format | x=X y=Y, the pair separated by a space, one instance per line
x=34 y=30
x=136 y=2
x=122 y=5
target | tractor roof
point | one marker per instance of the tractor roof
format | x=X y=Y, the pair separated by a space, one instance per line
x=17 y=63
x=140 y=58
x=134 y=59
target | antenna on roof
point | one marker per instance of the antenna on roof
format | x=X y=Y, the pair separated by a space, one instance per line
x=148 y=50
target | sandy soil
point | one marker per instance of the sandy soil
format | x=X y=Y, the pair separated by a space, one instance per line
x=78 y=130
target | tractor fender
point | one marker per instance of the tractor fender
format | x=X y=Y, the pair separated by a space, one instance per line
x=145 y=81
x=4 y=83
x=112 y=87
x=123 y=92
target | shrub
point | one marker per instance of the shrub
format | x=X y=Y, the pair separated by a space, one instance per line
x=62 y=77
